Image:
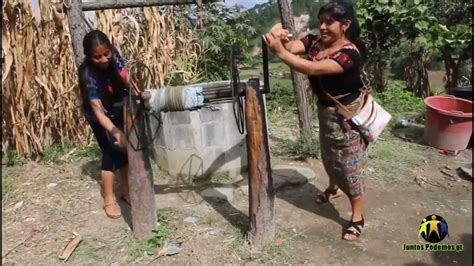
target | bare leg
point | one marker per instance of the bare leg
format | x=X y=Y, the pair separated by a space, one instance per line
x=109 y=197
x=356 y=205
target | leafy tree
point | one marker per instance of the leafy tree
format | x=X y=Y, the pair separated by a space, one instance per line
x=420 y=24
x=225 y=28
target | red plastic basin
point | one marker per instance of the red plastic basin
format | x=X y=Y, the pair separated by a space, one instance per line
x=448 y=123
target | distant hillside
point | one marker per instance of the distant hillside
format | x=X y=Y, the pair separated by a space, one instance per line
x=264 y=16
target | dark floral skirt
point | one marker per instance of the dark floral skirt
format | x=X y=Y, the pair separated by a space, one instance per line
x=343 y=151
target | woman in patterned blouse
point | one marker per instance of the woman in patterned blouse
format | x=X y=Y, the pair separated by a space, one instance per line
x=103 y=81
x=333 y=66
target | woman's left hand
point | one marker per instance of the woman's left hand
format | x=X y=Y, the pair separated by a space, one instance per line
x=273 y=43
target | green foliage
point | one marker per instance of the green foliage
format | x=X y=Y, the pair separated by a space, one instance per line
x=225 y=30
x=400 y=102
x=90 y=151
x=12 y=158
x=150 y=246
x=303 y=147
x=184 y=73
x=281 y=97
x=426 y=25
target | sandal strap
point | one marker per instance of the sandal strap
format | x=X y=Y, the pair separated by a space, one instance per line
x=331 y=191
x=354 y=231
x=359 y=225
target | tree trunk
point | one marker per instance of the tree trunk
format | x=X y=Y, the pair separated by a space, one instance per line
x=452 y=70
x=77 y=29
x=140 y=176
x=300 y=81
x=416 y=75
x=261 y=192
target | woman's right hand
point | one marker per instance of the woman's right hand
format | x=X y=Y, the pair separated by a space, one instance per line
x=121 y=140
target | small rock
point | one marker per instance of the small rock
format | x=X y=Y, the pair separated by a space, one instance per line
x=17 y=206
x=289 y=176
x=395 y=204
x=30 y=220
x=291 y=171
x=51 y=185
x=191 y=220
x=213 y=232
x=218 y=193
x=455 y=261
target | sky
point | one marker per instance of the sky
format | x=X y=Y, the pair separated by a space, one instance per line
x=245 y=3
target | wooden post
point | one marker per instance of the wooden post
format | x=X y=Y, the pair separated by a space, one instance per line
x=140 y=178
x=113 y=4
x=299 y=79
x=77 y=29
x=261 y=192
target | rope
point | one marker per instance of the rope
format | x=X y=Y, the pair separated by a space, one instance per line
x=174 y=98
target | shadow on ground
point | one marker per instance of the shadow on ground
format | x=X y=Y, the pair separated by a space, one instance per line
x=92 y=169
x=301 y=196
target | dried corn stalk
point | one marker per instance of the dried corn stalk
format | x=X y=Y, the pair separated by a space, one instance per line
x=40 y=100
x=155 y=37
x=40 y=96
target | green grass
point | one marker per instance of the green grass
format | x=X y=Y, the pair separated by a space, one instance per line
x=280 y=253
x=401 y=103
x=91 y=152
x=152 y=245
x=393 y=160
x=276 y=66
x=7 y=187
x=302 y=147
x=13 y=159
x=238 y=239
x=87 y=251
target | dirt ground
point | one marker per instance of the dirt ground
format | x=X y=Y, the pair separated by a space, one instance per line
x=48 y=202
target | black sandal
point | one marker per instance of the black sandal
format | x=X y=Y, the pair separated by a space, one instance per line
x=355 y=229
x=326 y=195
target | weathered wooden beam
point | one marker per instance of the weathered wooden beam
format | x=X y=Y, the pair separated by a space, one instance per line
x=140 y=176
x=261 y=191
x=89 y=6
x=77 y=28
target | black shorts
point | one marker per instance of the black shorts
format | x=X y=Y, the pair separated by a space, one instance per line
x=113 y=158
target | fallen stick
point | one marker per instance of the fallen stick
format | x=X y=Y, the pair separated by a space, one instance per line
x=70 y=247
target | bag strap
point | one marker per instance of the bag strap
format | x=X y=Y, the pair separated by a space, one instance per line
x=346 y=112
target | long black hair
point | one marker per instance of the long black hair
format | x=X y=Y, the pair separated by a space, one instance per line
x=91 y=41
x=341 y=10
